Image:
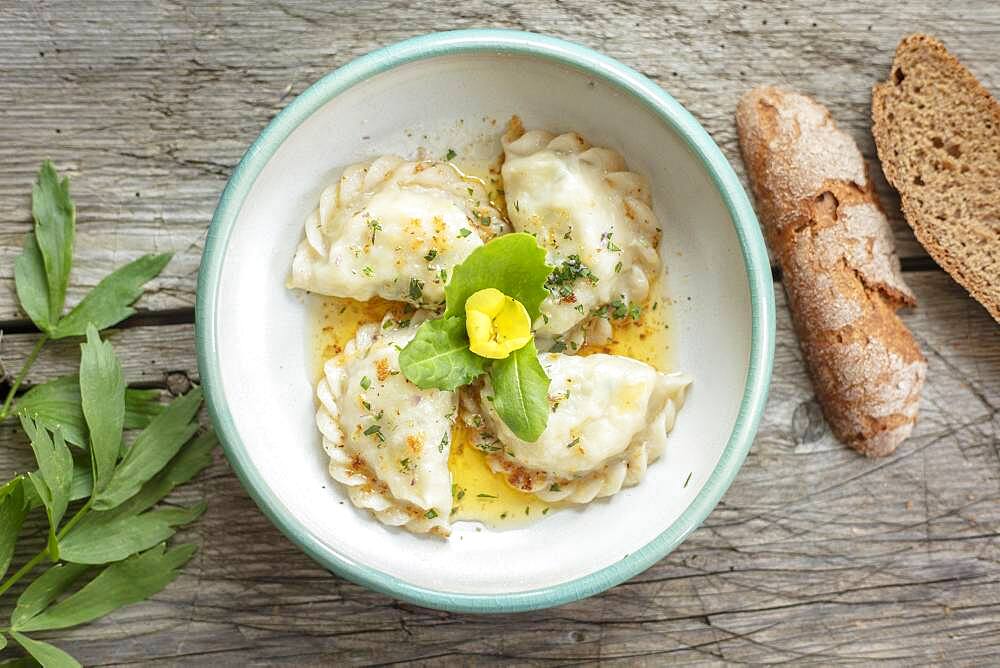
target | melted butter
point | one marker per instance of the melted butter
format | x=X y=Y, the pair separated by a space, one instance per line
x=648 y=339
x=335 y=321
x=480 y=495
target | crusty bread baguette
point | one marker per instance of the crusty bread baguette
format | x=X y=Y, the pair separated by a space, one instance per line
x=938 y=136
x=840 y=271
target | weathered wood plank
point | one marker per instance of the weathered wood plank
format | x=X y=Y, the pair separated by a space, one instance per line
x=815 y=554
x=149 y=106
x=149 y=355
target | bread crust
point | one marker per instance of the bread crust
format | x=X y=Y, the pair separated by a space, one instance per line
x=937 y=131
x=824 y=224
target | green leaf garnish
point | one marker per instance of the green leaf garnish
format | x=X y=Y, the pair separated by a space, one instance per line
x=49 y=656
x=55 y=230
x=118 y=585
x=153 y=448
x=104 y=537
x=102 y=398
x=521 y=393
x=12 y=512
x=56 y=405
x=54 y=477
x=31 y=284
x=439 y=356
x=110 y=301
x=513 y=263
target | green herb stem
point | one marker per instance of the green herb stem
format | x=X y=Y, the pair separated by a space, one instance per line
x=40 y=557
x=5 y=410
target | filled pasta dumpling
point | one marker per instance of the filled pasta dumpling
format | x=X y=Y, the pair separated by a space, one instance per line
x=388 y=440
x=393 y=229
x=592 y=216
x=608 y=419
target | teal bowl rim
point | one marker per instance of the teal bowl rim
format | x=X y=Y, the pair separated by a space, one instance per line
x=627 y=80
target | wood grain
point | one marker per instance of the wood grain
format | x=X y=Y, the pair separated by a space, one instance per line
x=148 y=106
x=814 y=555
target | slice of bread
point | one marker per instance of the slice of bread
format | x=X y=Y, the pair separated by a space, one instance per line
x=938 y=136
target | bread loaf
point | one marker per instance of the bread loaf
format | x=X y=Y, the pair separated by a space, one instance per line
x=839 y=269
x=938 y=136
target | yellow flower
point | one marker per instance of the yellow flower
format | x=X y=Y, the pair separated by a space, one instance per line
x=497 y=324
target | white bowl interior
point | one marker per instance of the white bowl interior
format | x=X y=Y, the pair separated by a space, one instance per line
x=455 y=101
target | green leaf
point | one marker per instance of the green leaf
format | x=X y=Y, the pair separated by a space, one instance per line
x=103 y=537
x=78 y=489
x=514 y=264
x=102 y=397
x=12 y=511
x=153 y=448
x=191 y=460
x=21 y=662
x=48 y=655
x=521 y=393
x=118 y=585
x=43 y=590
x=54 y=478
x=110 y=301
x=56 y=405
x=439 y=356
x=55 y=229
x=3 y=642
x=31 y=284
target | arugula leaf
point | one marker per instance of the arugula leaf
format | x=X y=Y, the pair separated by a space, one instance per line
x=439 y=356
x=109 y=302
x=103 y=537
x=31 y=285
x=48 y=655
x=55 y=229
x=514 y=264
x=12 y=511
x=56 y=405
x=46 y=588
x=102 y=398
x=118 y=585
x=153 y=448
x=54 y=477
x=521 y=393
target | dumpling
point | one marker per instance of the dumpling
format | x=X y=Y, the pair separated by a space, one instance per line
x=593 y=217
x=609 y=418
x=387 y=439
x=393 y=229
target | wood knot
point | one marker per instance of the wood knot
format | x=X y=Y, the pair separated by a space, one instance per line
x=178 y=383
x=807 y=422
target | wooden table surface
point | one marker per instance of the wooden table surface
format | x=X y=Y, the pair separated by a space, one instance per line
x=814 y=554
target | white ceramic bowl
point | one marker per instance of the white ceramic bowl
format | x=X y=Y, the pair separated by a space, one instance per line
x=441 y=91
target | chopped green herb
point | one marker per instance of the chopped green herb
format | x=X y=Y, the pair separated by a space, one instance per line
x=376 y=431
x=487 y=496
x=484 y=220
x=444 y=442
x=634 y=311
x=431 y=254
x=460 y=495
x=375 y=226
x=450 y=155
x=618 y=268
x=517 y=206
x=367 y=270
x=464 y=232
x=566 y=274
x=367 y=405
x=573 y=442
x=503 y=515
x=404 y=464
x=688 y=479
x=389 y=322
x=557 y=347
x=555 y=487
x=416 y=289
x=431 y=514
x=527 y=509
x=545 y=511
x=366 y=382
